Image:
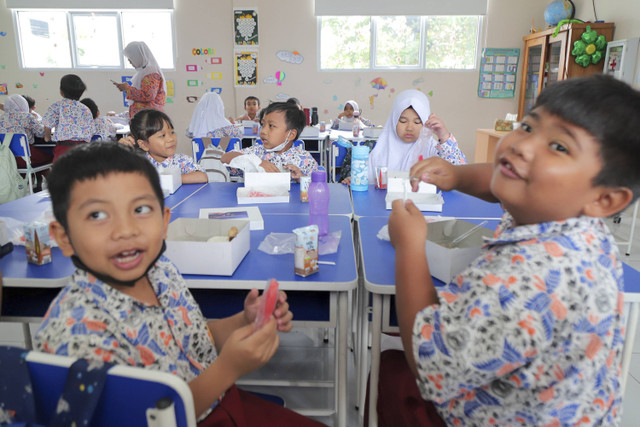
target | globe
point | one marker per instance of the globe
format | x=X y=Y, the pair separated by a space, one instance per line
x=558 y=10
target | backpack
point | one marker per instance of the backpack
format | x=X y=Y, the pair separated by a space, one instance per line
x=212 y=163
x=12 y=184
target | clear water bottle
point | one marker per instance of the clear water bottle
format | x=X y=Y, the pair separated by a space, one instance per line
x=356 y=123
x=360 y=168
x=319 y=202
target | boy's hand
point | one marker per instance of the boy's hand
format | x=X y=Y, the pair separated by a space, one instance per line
x=346 y=181
x=436 y=171
x=128 y=140
x=437 y=126
x=247 y=350
x=407 y=226
x=296 y=173
x=281 y=313
x=269 y=167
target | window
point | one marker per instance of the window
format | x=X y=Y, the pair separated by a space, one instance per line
x=398 y=42
x=84 y=39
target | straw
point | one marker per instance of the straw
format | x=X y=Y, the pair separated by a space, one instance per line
x=467 y=233
x=326 y=262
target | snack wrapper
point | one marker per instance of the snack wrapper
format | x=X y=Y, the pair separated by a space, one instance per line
x=267 y=304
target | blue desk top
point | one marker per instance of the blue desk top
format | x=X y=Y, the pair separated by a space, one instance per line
x=184 y=192
x=257 y=267
x=379 y=261
x=456 y=204
x=223 y=195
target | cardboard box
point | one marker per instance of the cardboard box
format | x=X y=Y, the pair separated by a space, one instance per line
x=446 y=262
x=188 y=246
x=309 y=132
x=427 y=198
x=170 y=180
x=372 y=132
x=37 y=242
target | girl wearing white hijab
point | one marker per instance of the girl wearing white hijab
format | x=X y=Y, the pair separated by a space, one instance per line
x=18 y=119
x=411 y=133
x=346 y=116
x=208 y=119
x=148 y=87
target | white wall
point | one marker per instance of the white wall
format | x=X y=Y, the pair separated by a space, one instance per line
x=290 y=25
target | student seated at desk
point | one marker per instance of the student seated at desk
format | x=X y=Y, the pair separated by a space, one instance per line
x=153 y=132
x=347 y=116
x=282 y=123
x=252 y=109
x=532 y=332
x=126 y=303
x=208 y=120
x=104 y=127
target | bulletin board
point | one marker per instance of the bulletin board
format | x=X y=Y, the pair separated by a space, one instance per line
x=498 y=71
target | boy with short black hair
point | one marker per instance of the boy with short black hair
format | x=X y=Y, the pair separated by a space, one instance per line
x=282 y=123
x=252 y=108
x=105 y=130
x=531 y=333
x=127 y=303
x=71 y=119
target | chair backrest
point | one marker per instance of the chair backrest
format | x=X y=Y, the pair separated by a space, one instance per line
x=338 y=154
x=299 y=143
x=19 y=145
x=96 y=138
x=127 y=394
x=234 y=144
x=197 y=149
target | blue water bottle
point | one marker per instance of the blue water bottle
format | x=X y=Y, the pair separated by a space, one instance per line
x=319 y=202
x=360 y=168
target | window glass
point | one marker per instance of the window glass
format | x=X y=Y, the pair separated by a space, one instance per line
x=398 y=41
x=97 y=43
x=153 y=28
x=451 y=42
x=345 y=42
x=44 y=39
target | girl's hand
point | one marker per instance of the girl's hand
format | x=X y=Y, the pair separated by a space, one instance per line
x=282 y=313
x=122 y=87
x=251 y=303
x=128 y=140
x=437 y=126
x=231 y=119
x=346 y=181
x=296 y=173
x=269 y=167
x=247 y=349
x=436 y=171
x=407 y=226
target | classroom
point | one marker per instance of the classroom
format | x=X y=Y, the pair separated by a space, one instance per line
x=295 y=52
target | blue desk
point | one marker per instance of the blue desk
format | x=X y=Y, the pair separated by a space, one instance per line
x=223 y=195
x=456 y=204
x=183 y=193
x=378 y=264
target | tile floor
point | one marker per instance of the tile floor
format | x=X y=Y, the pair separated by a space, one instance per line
x=305 y=357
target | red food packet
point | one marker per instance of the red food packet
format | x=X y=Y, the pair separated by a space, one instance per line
x=267 y=304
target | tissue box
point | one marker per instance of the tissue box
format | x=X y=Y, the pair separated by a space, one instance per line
x=370 y=132
x=503 y=125
x=170 y=180
x=264 y=188
x=426 y=198
x=189 y=249
x=309 y=132
x=446 y=262
x=37 y=242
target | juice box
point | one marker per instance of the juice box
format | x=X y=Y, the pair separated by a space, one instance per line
x=305 y=181
x=37 y=242
x=305 y=254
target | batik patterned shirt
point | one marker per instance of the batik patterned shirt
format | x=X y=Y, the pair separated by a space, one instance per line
x=178 y=161
x=150 y=95
x=104 y=128
x=451 y=152
x=91 y=319
x=72 y=119
x=293 y=156
x=531 y=333
x=20 y=122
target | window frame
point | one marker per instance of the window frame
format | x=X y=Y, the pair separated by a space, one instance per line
x=401 y=68
x=69 y=14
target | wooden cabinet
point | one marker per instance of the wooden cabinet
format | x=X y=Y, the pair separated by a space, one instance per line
x=548 y=59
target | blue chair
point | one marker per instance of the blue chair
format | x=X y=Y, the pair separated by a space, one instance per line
x=336 y=158
x=128 y=394
x=96 y=138
x=19 y=146
x=197 y=149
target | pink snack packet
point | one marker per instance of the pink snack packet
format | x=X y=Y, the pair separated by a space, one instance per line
x=267 y=304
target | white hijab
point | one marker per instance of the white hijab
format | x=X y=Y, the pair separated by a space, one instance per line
x=393 y=152
x=208 y=115
x=16 y=103
x=354 y=105
x=144 y=62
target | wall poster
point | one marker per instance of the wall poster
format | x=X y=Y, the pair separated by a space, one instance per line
x=245 y=27
x=498 y=71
